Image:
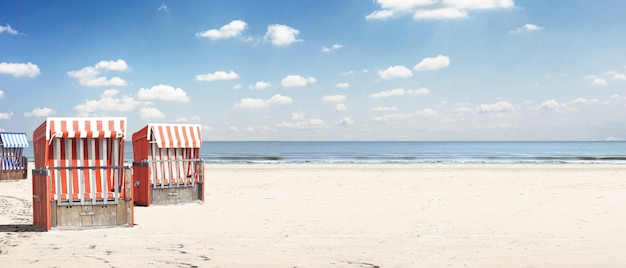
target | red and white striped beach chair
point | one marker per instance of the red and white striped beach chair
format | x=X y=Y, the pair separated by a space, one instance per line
x=79 y=178
x=167 y=167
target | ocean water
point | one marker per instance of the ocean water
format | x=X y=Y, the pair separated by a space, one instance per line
x=405 y=152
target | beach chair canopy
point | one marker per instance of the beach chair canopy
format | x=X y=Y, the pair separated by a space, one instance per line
x=13 y=140
x=175 y=135
x=114 y=127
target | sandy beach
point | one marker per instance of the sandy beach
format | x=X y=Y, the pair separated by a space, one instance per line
x=351 y=216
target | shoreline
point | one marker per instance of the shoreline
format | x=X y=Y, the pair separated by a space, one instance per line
x=312 y=215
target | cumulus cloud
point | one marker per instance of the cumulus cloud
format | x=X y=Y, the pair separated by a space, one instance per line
x=397 y=71
x=19 y=69
x=108 y=102
x=434 y=9
x=296 y=81
x=527 y=28
x=385 y=109
x=281 y=35
x=341 y=107
x=619 y=77
x=425 y=113
x=313 y=123
x=260 y=85
x=1 y=94
x=333 y=47
x=297 y=116
x=5 y=116
x=334 y=98
x=585 y=101
x=163 y=93
x=346 y=121
x=219 y=75
x=148 y=113
x=342 y=85
x=595 y=80
x=8 y=29
x=250 y=103
x=498 y=107
x=232 y=29
x=40 y=112
x=434 y=63
x=91 y=75
x=550 y=105
x=399 y=92
x=163 y=8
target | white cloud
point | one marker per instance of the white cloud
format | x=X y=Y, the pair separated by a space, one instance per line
x=341 y=107
x=260 y=85
x=232 y=29
x=463 y=110
x=148 y=113
x=250 y=103
x=397 y=71
x=237 y=86
x=498 y=107
x=8 y=29
x=550 y=105
x=281 y=35
x=399 y=92
x=1 y=94
x=585 y=101
x=433 y=9
x=163 y=93
x=333 y=47
x=435 y=63
x=527 y=28
x=189 y=119
x=118 y=65
x=297 y=116
x=427 y=113
x=380 y=14
x=91 y=75
x=313 y=123
x=219 y=75
x=385 y=109
x=334 y=98
x=164 y=8
x=40 y=112
x=342 y=85
x=108 y=102
x=19 y=69
x=296 y=81
x=346 y=121
x=619 y=77
x=441 y=13
x=5 y=116
x=595 y=80
x=388 y=117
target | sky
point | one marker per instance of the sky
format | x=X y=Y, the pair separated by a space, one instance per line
x=461 y=70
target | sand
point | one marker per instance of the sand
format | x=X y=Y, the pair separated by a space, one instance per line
x=351 y=216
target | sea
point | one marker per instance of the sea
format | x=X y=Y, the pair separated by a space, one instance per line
x=406 y=152
x=412 y=152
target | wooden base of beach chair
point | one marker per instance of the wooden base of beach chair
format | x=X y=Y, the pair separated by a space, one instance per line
x=175 y=195
x=13 y=174
x=77 y=216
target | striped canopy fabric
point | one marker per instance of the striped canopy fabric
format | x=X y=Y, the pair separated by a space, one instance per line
x=13 y=140
x=175 y=135
x=110 y=127
x=85 y=156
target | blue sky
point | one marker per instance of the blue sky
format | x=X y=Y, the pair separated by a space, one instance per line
x=321 y=70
